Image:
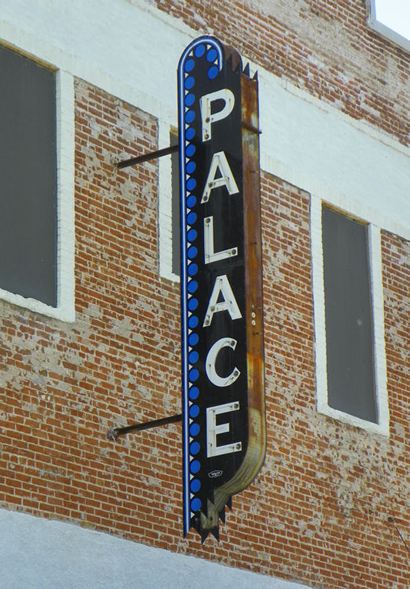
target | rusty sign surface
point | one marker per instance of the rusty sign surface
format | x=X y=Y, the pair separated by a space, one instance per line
x=221 y=281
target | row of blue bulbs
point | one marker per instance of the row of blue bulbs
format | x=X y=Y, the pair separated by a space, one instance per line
x=192 y=252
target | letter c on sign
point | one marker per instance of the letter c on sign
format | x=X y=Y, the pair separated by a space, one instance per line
x=219 y=381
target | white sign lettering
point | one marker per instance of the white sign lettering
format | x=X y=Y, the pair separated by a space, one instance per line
x=219 y=381
x=229 y=303
x=208 y=117
x=212 y=430
x=219 y=165
x=209 y=249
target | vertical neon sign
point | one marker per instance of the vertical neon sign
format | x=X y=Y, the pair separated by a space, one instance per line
x=221 y=282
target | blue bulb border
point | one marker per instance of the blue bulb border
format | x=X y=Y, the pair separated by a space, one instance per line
x=208 y=47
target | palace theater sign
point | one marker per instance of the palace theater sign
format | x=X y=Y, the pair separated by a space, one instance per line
x=221 y=281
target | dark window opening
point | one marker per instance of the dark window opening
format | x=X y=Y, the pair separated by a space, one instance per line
x=28 y=173
x=349 y=316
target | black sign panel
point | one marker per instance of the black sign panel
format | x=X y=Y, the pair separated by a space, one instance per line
x=218 y=319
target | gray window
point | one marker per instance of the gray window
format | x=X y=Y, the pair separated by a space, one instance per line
x=28 y=173
x=348 y=316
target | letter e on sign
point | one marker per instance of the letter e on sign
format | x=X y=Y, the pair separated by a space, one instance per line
x=212 y=430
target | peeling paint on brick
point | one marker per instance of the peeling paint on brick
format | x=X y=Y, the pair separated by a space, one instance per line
x=316 y=44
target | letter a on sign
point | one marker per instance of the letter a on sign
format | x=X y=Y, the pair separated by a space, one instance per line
x=221 y=282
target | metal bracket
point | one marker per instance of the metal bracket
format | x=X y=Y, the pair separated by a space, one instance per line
x=147 y=157
x=251 y=128
x=392 y=521
x=114 y=433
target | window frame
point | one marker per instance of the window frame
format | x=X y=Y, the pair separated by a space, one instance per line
x=384 y=30
x=65 y=308
x=377 y=303
x=165 y=216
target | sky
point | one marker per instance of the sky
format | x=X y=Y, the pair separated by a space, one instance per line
x=395 y=14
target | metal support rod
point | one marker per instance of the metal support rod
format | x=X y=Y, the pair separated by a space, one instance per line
x=115 y=432
x=251 y=128
x=147 y=157
x=391 y=520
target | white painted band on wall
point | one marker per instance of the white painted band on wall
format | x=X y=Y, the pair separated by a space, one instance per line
x=36 y=552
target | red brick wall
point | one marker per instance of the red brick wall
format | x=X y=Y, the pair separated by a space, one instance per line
x=333 y=486
x=64 y=385
x=322 y=46
x=317 y=512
